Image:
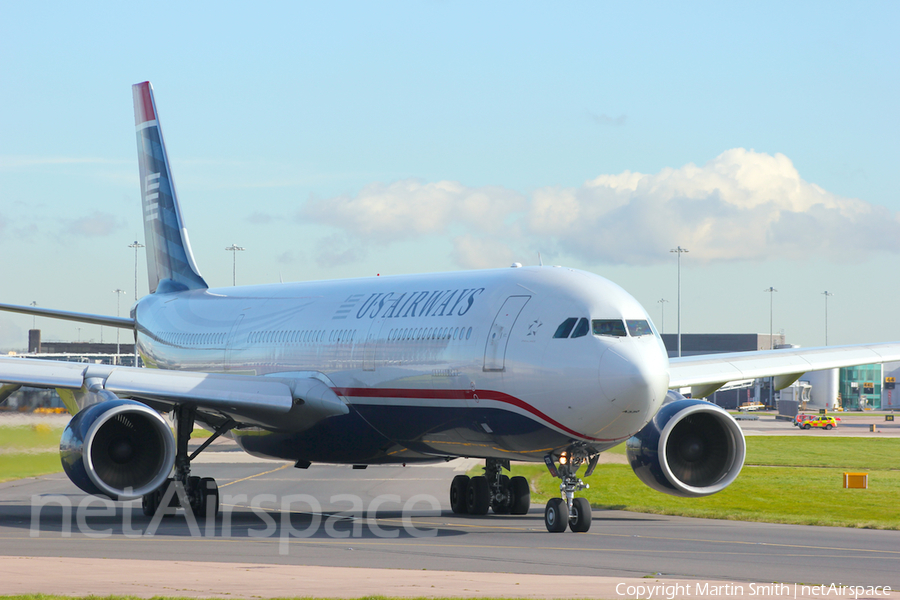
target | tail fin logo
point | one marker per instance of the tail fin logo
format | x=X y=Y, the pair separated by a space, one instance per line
x=151 y=197
x=170 y=263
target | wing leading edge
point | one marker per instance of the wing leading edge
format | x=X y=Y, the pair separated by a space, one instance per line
x=706 y=373
x=266 y=401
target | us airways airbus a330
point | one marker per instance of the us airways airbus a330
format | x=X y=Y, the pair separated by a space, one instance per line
x=542 y=364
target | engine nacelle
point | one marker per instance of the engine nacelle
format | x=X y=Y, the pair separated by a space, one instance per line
x=691 y=448
x=118 y=448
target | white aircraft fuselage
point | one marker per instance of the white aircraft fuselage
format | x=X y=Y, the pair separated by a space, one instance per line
x=430 y=366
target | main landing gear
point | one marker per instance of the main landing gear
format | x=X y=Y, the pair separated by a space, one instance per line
x=196 y=494
x=493 y=490
x=569 y=511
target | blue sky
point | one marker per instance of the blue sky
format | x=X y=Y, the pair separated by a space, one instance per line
x=348 y=139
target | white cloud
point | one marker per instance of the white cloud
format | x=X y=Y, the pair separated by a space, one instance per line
x=479 y=252
x=337 y=250
x=259 y=218
x=742 y=205
x=410 y=208
x=98 y=224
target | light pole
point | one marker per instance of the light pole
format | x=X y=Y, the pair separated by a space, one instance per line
x=34 y=317
x=235 y=249
x=135 y=245
x=771 y=292
x=826 y=293
x=662 y=309
x=679 y=251
x=118 y=294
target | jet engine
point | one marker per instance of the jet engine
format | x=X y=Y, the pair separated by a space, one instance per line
x=118 y=448
x=691 y=448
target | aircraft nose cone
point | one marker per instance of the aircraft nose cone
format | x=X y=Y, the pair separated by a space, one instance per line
x=632 y=376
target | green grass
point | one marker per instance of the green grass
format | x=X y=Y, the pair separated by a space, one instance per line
x=200 y=434
x=23 y=454
x=17 y=466
x=805 y=489
x=811 y=451
x=30 y=437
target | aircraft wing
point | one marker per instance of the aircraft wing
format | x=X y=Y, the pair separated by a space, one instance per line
x=121 y=322
x=706 y=373
x=245 y=398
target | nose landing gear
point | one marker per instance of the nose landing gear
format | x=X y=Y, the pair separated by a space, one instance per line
x=569 y=511
x=493 y=490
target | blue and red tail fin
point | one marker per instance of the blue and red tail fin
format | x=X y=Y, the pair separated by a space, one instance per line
x=170 y=261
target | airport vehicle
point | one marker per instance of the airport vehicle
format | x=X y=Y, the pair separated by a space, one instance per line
x=820 y=422
x=800 y=419
x=543 y=364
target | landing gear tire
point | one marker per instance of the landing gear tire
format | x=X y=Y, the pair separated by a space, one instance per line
x=478 y=496
x=459 y=489
x=580 y=518
x=556 y=515
x=209 y=491
x=502 y=508
x=521 y=495
x=150 y=503
x=194 y=494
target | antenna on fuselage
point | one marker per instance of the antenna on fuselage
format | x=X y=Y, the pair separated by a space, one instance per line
x=540 y=260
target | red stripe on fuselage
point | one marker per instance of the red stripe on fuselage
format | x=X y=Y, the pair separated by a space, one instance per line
x=461 y=395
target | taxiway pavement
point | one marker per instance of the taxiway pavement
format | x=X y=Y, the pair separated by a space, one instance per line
x=397 y=518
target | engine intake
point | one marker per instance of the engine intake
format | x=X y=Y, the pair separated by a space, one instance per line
x=691 y=448
x=118 y=448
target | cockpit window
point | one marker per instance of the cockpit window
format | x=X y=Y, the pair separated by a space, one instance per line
x=565 y=328
x=581 y=329
x=639 y=327
x=610 y=327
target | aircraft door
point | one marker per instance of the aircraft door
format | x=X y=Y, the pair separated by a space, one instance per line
x=498 y=337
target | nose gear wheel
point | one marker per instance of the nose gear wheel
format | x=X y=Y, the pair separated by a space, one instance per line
x=568 y=511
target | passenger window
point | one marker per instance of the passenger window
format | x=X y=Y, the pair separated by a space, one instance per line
x=609 y=327
x=637 y=328
x=565 y=328
x=581 y=329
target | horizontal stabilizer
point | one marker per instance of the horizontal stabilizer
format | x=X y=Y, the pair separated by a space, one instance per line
x=121 y=322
